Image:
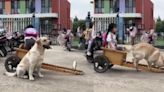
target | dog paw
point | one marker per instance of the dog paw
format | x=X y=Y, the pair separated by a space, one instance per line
x=41 y=76
x=31 y=78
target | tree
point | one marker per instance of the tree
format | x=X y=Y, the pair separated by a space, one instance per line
x=78 y=23
x=75 y=19
x=158 y=19
x=75 y=26
x=81 y=23
x=160 y=25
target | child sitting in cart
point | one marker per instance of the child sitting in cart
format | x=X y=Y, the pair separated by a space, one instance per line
x=111 y=37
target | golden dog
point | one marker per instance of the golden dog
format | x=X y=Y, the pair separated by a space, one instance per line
x=32 y=60
x=146 y=51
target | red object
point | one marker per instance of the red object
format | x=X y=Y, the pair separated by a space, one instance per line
x=62 y=7
x=146 y=8
x=105 y=43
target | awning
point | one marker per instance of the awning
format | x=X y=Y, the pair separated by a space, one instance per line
x=41 y=15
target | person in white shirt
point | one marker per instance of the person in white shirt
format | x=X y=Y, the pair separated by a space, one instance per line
x=145 y=36
x=133 y=31
x=111 y=36
x=91 y=40
x=152 y=36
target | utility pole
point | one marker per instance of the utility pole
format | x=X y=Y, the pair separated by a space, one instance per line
x=59 y=14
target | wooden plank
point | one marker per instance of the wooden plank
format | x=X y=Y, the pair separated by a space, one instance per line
x=61 y=69
x=21 y=53
x=22 y=50
x=112 y=50
x=142 y=67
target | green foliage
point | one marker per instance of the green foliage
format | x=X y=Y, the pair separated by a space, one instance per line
x=75 y=26
x=158 y=19
x=75 y=19
x=78 y=23
x=159 y=25
x=81 y=23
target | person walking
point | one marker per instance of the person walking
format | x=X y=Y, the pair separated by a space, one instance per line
x=80 y=35
x=133 y=31
x=68 y=38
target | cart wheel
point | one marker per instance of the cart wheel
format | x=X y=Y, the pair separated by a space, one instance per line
x=11 y=63
x=89 y=58
x=101 y=64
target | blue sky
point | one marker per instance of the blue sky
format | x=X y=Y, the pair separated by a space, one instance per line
x=81 y=7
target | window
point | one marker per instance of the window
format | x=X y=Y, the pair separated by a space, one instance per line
x=130 y=6
x=27 y=6
x=99 y=6
x=15 y=5
x=32 y=6
x=102 y=3
x=46 y=6
x=96 y=4
x=2 y=6
x=114 y=5
x=111 y=4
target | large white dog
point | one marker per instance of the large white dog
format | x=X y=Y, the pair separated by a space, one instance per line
x=152 y=55
x=33 y=60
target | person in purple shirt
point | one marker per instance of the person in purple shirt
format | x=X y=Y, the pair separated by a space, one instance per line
x=31 y=35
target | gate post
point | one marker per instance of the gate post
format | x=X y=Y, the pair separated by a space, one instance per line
x=120 y=28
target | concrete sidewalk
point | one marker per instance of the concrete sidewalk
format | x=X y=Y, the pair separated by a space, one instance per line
x=117 y=79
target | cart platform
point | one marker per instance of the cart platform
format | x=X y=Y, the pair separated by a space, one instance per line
x=12 y=62
x=112 y=57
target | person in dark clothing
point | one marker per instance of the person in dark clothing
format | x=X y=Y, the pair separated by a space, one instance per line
x=31 y=35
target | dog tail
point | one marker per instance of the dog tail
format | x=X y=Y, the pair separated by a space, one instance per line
x=10 y=74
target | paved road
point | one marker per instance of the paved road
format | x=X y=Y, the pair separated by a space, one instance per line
x=118 y=79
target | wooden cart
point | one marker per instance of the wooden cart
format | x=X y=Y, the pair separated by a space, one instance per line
x=114 y=57
x=12 y=62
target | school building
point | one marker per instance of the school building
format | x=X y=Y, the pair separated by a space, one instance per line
x=45 y=15
x=124 y=12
